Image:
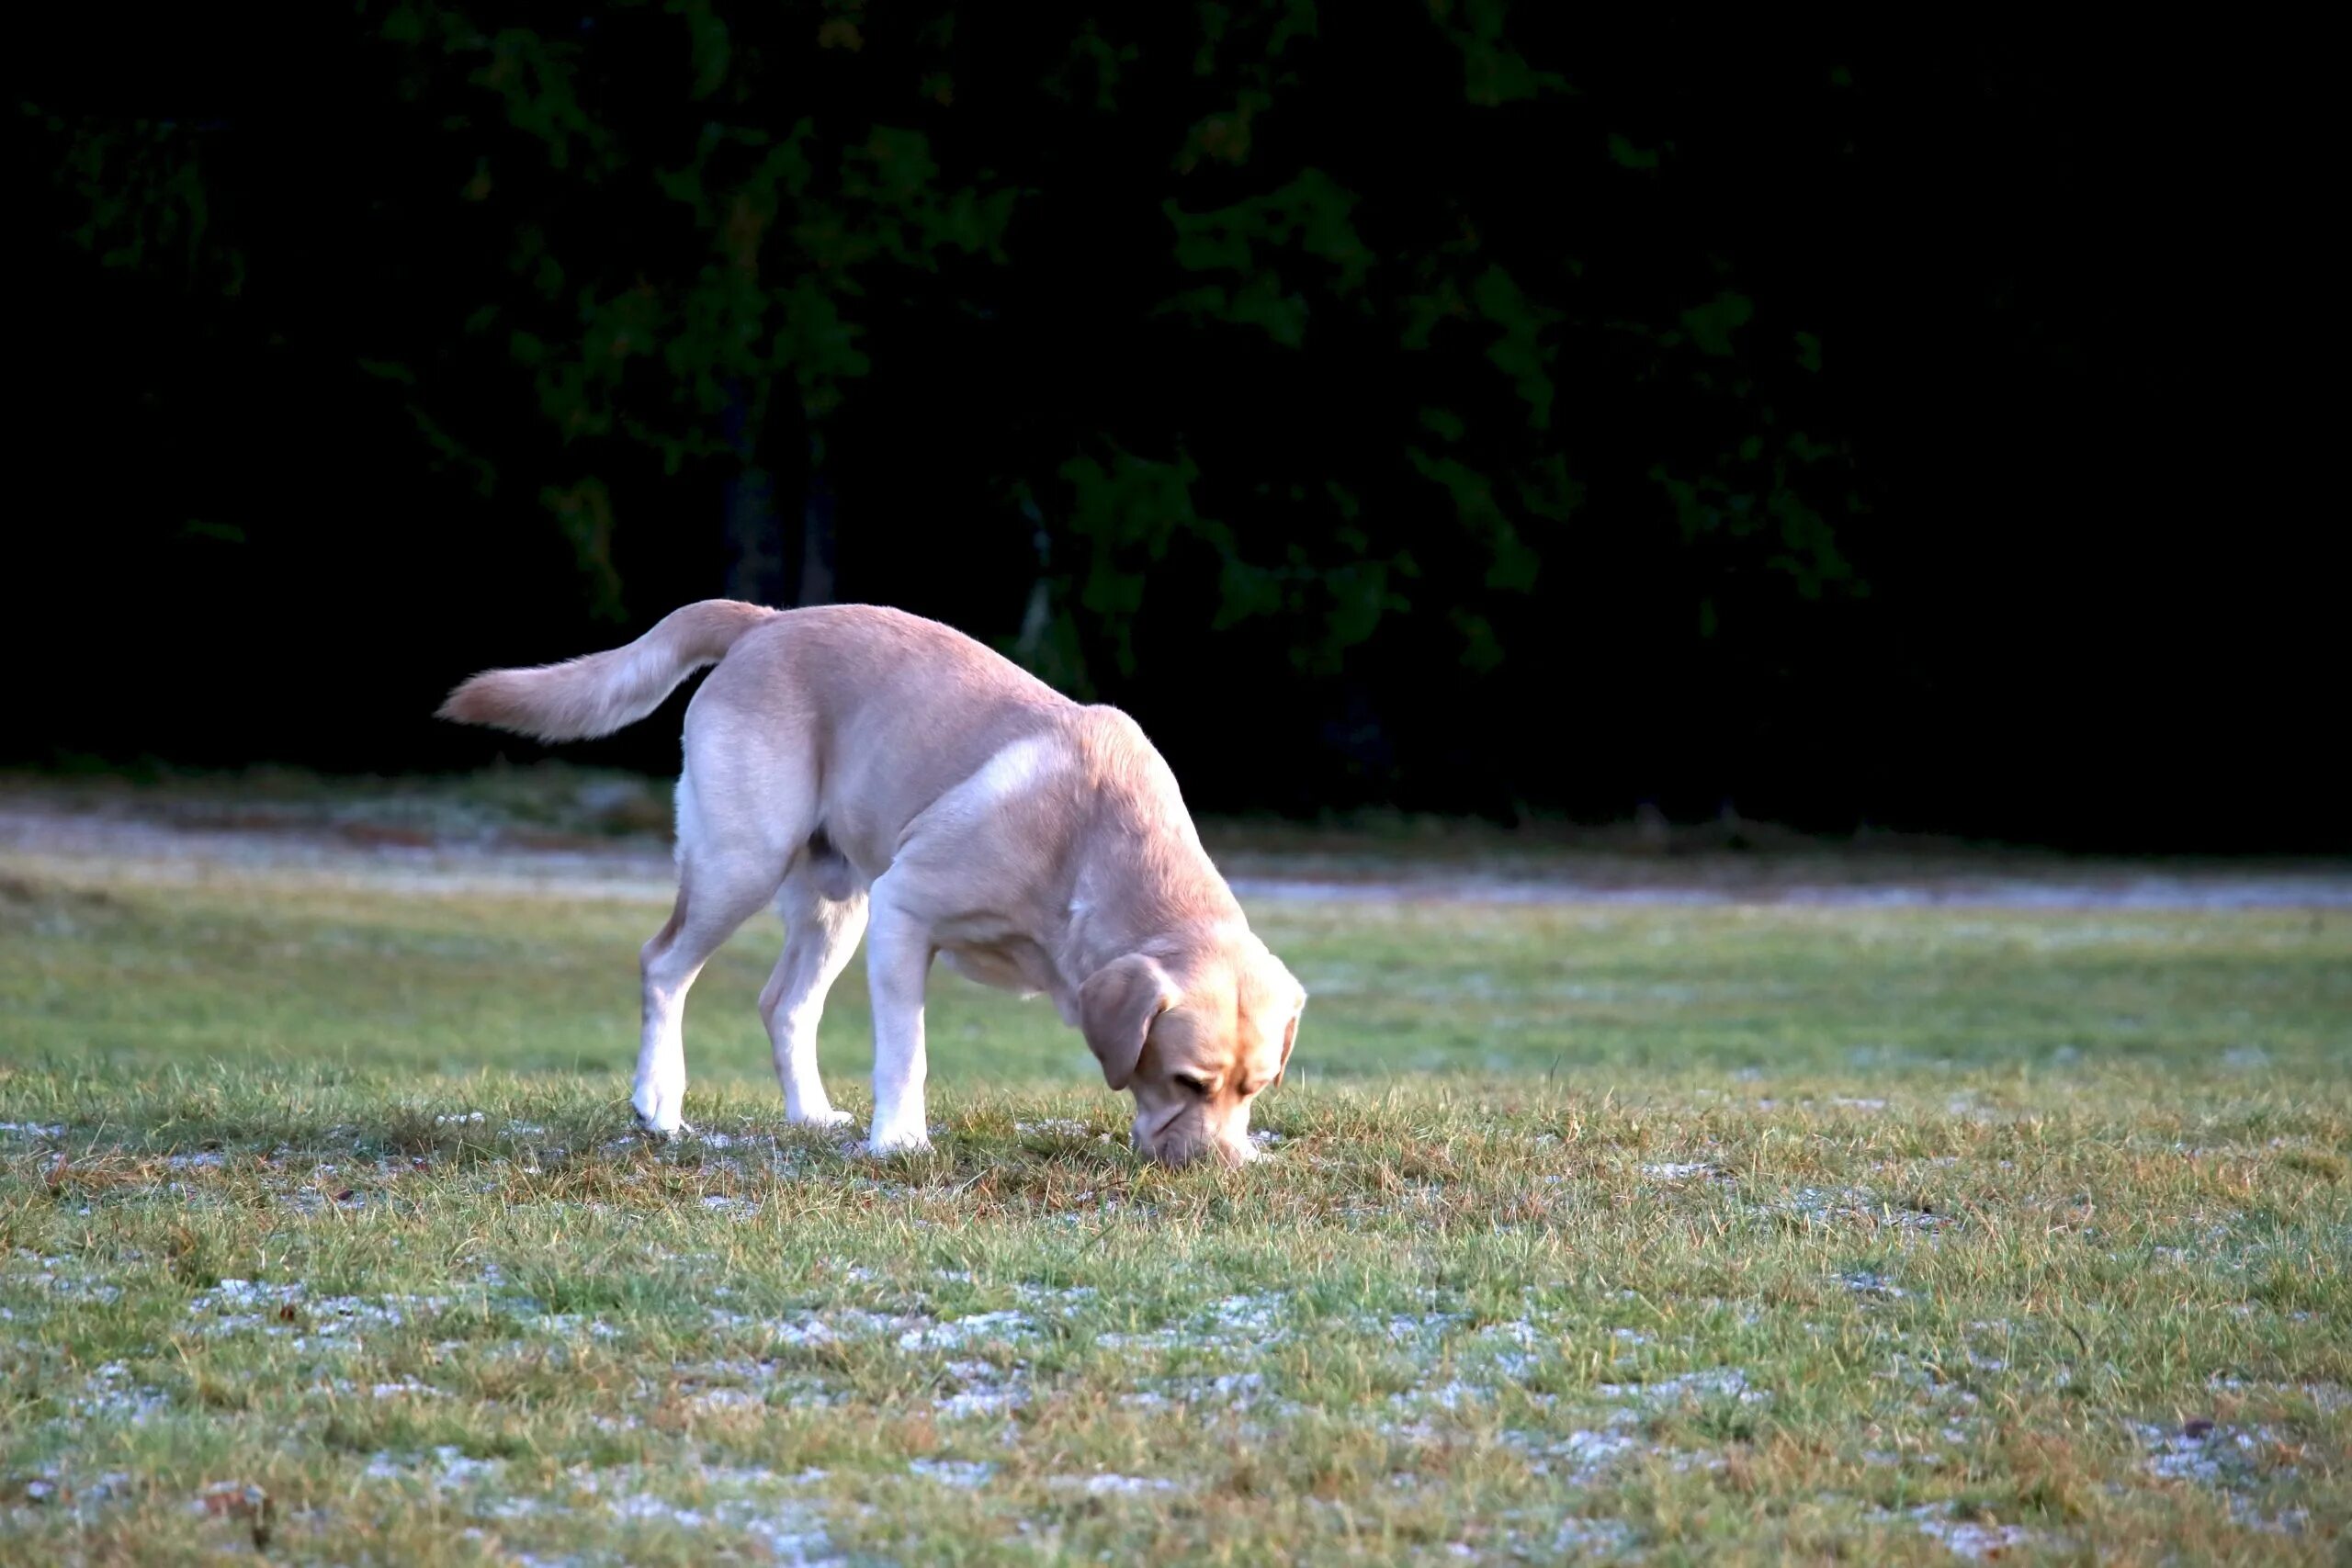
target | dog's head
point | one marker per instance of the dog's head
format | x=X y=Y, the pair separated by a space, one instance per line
x=1195 y=1033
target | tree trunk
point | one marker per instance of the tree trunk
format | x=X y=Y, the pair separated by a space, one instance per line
x=755 y=530
x=766 y=563
x=754 y=540
x=817 y=551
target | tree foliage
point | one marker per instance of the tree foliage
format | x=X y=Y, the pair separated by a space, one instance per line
x=1394 y=350
x=703 y=214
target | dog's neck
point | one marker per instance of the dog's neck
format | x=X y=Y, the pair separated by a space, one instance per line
x=1157 y=893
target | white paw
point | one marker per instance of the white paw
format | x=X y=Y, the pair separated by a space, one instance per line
x=887 y=1141
x=658 y=1113
x=820 y=1119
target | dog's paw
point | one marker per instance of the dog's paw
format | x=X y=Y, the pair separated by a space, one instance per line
x=885 y=1144
x=824 y=1119
x=652 y=1126
x=660 y=1103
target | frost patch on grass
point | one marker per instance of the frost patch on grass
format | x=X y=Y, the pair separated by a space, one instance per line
x=1111 y=1485
x=33 y=1129
x=1254 y=1319
x=969 y=1403
x=109 y=1395
x=719 y=1399
x=643 y=1507
x=2329 y=1397
x=570 y=1324
x=231 y=1499
x=1055 y=1297
x=518 y=1508
x=81 y=1500
x=1451 y=1395
x=234 y=1295
x=1581 y=1456
x=987 y=1391
x=1849 y=1206
x=715 y=1386
x=1518 y=1331
x=1053 y=1127
x=1240 y=1387
x=461 y=1119
x=450 y=1469
x=1526 y=1335
x=1415 y=1328
x=237 y=1306
x=1975 y=1539
x=984 y=1389
x=850 y=1322
x=1677 y=1171
x=1257 y=1317
x=1234 y=1391
x=2203 y=1452
x=793 y=1532
x=2286 y=1521
x=1592 y=1538
x=1863 y=1283
x=793 y=1535
x=967 y=1474
x=1928 y=1378
x=958 y=1333
x=63 y=1277
x=784 y=1155
x=1711 y=1383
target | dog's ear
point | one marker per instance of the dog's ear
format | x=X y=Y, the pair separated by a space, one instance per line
x=1290 y=1038
x=1116 y=1006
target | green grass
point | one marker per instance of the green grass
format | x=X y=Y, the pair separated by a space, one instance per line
x=1720 y=1234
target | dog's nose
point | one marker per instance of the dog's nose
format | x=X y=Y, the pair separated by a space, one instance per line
x=1191 y=1151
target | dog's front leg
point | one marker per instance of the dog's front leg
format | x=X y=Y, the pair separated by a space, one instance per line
x=897 y=963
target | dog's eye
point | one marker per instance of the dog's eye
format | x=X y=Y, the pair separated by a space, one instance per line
x=1186 y=1080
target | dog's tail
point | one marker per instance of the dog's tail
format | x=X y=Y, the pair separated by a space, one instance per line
x=595 y=694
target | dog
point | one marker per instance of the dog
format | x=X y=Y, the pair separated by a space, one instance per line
x=873 y=772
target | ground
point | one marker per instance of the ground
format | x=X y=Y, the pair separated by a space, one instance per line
x=1591 y=1226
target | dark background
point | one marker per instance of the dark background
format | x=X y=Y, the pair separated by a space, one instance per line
x=1427 y=406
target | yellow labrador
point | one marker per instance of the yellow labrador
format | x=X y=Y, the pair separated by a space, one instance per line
x=873 y=771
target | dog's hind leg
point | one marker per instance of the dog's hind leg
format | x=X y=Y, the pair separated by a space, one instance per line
x=722 y=883
x=824 y=915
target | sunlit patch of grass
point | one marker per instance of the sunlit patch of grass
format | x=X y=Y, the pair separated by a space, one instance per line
x=1735 y=1233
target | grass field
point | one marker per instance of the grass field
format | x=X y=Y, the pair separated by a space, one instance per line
x=1739 y=1234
